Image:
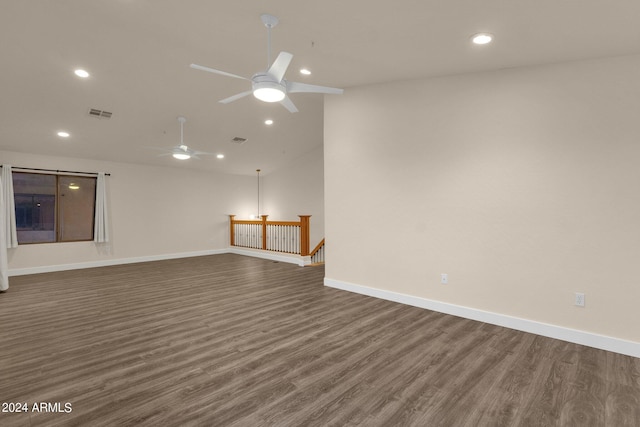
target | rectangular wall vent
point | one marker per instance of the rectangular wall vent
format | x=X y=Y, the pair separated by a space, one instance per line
x=238 y=140
x=99 y=114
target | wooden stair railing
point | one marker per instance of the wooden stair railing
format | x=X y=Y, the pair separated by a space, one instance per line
x=317 y=254
x=280 y=236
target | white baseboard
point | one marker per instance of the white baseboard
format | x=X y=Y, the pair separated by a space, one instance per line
x=108 y=262
x=602 y=342
x=274 y=256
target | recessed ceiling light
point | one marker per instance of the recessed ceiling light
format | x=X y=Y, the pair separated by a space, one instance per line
x=482 y=38
x=305 y=71
x=268 y=122
x=63 y=134
x=220 y=156
x=81 y=73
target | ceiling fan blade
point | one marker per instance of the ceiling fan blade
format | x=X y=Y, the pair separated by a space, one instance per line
x=280 y=65
x=167 y=149
x=212 y=70
x=235 y=97
x=294 y=87
x=202 y=153
x=289 y=105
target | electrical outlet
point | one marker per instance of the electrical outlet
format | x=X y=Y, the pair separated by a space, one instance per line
x=444 y=278
x=579 y=299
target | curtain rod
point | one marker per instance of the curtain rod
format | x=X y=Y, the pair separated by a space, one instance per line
x=56 y=170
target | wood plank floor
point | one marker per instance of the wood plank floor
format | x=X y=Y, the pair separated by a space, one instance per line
x=227 y=340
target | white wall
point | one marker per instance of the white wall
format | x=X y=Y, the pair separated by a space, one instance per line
x=297 y=189
x=154 y=212
x=522 y=185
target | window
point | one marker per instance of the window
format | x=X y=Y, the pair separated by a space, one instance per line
x=53 y=208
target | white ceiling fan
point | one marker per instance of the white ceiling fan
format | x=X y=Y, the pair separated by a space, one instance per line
x=270 y=85
x=182 y=151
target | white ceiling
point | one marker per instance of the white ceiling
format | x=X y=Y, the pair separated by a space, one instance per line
x=138 y=53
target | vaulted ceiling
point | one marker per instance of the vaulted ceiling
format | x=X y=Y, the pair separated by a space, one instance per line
x=138 y=53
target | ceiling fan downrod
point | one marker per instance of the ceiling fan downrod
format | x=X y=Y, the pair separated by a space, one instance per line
x=181 y=119
x=269 y=21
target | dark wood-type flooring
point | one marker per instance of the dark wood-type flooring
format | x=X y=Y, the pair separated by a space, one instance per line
x=227 y=340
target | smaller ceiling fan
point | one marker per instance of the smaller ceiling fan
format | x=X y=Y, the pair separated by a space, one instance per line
x=182 y=151
x=270 y=85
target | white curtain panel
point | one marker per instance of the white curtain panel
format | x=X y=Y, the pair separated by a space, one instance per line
x=101 y=229
x=9 y=209
x=4 y=268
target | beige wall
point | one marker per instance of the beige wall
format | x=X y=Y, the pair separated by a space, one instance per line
x=297 y=189
x=522 y=185
x=154 y=211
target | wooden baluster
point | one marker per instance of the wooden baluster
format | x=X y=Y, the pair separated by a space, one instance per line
x=304 y=234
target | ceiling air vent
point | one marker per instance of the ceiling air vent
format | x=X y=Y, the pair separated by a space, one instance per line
x=238 y=140
x=99 y=114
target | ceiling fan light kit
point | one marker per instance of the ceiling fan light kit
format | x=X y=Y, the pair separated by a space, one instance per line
x=270 y=85
x=267 y=90
x=181 y=156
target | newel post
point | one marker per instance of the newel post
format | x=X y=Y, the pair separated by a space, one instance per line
x=232 y=235
x=264 y=231
x=304 y=234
